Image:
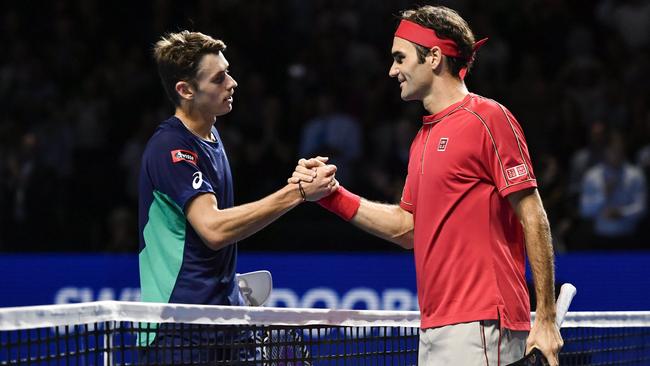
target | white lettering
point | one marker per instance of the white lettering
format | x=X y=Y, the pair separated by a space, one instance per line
x=321 y=295
x=69 y=295
x=130 y=294
x=106 y=294
x=283 y=297
x=367 y=298
x=361 y=295
x=397 y=299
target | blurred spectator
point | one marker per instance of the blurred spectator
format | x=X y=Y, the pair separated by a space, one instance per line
x=266 y=151
x=588 y=156
x=31 y=190
x=78 y=88
x=132 y=152
x=630 y=18
x=552 y=187
x=334 y=134
x=614 y=197
x=123 y=236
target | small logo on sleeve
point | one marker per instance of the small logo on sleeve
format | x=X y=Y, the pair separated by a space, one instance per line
x=517 y=171
x=184 y=155
x=197 y=180
x=442 y=145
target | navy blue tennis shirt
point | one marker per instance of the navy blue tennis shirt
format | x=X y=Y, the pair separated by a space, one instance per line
x=175 y=265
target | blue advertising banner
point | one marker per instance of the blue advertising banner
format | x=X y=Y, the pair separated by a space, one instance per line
x=605 y=281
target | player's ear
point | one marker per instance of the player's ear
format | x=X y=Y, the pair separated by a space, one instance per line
x=434 y=58
x=184 y=90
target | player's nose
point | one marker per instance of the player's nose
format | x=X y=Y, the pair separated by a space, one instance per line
x=393 y=71
x=233 y=82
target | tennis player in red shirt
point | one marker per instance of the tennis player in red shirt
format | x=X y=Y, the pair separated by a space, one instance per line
x=470 y=207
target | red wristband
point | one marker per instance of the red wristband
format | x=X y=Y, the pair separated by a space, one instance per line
x=342 y=202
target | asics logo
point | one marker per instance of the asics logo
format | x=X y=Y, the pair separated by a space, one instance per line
x=197 y=181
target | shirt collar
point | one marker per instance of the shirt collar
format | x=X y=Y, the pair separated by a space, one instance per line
x=437 y=117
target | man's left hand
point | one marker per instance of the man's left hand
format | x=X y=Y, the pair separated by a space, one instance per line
x=545 y=336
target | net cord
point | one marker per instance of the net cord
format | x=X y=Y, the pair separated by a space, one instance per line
x=30 y=317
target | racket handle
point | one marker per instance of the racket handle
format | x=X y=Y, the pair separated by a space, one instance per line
x=567 y=292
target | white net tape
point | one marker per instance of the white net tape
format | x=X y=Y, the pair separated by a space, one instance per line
x=85 y=313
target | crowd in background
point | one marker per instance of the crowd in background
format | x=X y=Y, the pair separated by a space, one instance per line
x=80 y=97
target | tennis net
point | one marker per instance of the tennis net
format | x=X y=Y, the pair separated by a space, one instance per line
x=126 y=333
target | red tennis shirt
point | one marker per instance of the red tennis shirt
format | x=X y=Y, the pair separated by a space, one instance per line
x=469 y=244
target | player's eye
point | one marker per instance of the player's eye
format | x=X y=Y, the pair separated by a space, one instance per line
x=220 y=77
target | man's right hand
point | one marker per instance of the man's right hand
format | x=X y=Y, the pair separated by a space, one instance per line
x=316 y=178
x=306 y=170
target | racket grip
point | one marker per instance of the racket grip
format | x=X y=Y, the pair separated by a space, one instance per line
x=567 y=292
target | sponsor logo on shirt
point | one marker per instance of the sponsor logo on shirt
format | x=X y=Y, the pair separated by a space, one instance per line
x=517 y=171
x=442 y=145
x=197 y=180
x=184 y=155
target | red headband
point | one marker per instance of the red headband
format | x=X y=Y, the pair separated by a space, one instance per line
x=428 y=38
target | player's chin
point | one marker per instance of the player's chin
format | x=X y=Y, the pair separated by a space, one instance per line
x=225 y=109
x=407 y=96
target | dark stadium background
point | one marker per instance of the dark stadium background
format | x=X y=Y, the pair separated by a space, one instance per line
x=80 y=97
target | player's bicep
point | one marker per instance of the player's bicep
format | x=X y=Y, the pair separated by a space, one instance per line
x=200 y=213
x=407 y=227
x=407 y=218
x=403 y=226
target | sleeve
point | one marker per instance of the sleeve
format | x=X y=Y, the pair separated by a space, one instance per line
x=406 y=202
x=174 y=169
x=505 y=153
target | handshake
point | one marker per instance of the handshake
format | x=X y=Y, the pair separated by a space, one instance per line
x=316 y=178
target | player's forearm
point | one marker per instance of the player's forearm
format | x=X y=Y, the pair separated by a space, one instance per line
x=540 y=256
x=236 y=223
x=389 y=222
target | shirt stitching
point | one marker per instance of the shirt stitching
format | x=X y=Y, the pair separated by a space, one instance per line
x=518 y=183
x=494 y=145
x=516 y=139
x=424 y=151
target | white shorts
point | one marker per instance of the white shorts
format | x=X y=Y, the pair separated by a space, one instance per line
x=475 y=343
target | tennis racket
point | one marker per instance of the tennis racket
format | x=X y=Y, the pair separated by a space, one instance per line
x=255 y=287
x=535 y=357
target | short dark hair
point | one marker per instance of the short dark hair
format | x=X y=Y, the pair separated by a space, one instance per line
x=178 y=56
x=447 y=24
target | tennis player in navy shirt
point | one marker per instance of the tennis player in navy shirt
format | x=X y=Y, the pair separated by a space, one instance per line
x=188 y=223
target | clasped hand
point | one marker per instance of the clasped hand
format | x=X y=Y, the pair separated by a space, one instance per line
x=316 y=177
